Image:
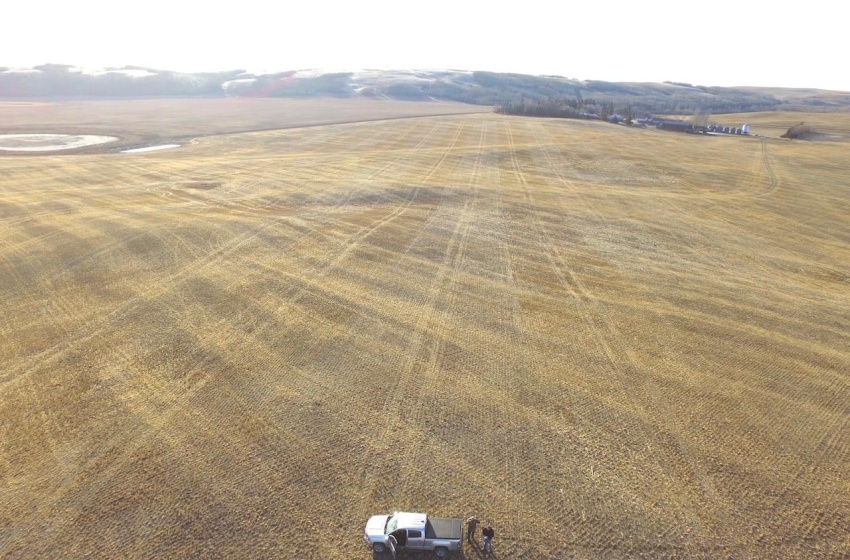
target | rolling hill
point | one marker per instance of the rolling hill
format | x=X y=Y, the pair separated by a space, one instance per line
x=474 y=87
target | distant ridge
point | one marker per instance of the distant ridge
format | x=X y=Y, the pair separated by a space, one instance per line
x=474 y=87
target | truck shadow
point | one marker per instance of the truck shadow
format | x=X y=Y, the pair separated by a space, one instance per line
x=471 y=551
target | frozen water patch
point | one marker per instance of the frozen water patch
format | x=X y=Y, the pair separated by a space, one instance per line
x=150 y=148
x=49 y=142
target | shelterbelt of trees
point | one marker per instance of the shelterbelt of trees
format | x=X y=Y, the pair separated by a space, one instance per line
x=510 y=93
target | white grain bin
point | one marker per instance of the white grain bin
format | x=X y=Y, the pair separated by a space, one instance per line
x=746 y=129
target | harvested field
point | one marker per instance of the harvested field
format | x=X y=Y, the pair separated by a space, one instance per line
x=607 y=342
x=144 y=122
x=831 y=126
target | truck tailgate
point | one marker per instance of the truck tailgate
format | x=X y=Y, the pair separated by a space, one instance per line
x=443 y=528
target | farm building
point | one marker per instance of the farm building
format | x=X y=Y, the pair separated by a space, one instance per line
x=676 y=126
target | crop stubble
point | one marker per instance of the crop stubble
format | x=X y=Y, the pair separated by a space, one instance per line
x=608 y=342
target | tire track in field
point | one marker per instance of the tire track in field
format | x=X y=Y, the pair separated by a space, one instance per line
x=326 y=174
x=97 y=326
x=64 y=313
x=93 y=200
x=627 y=366
x=374 y=463
x=429 y=336
x=664 y=200
x=150 y=428
x=35 y=217
x=147 y=427
x=527 y=433
x=263 y=170
x=23 y=248
x=539 y=233
x=327 y=152
x=362 y=185
x=321 y=269
x=707 y=485
x=392 y=402
x=111 y=455
x=763 y=169
x=673 y=455
x=329 y=159
x=53 y=305
x=773 y=179
x=352 y=242
x=329 y=142
x=711 y=490
x=496 y=382
x=565 y=279
x=206 y=261
x=392 y=405
x=827 y=440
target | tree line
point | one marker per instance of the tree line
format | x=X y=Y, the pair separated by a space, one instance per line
x=628 y=107
x=59 y=80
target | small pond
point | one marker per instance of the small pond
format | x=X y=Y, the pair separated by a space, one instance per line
x=150 y=148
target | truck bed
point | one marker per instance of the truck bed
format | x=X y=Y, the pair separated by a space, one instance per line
x=443 y=528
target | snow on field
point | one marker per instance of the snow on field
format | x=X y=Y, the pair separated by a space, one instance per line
x=238 y=83
x=21 y=71
x=150 y=148
x=49 y=142
x=131 y=72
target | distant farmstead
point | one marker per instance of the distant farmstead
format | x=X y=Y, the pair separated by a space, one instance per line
x=685 y=126
x=676 y=126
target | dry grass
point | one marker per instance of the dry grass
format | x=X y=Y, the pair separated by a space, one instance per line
x=608 y=342
x=834 y=126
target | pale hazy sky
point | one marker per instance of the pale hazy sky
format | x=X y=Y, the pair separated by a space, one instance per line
x=721 y=43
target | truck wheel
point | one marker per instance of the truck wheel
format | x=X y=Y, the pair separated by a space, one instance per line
x=379 y=547
x=441 y=551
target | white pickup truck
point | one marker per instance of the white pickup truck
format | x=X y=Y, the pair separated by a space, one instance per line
x=413 y=531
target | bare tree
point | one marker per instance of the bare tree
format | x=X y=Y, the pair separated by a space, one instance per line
x=700 y=119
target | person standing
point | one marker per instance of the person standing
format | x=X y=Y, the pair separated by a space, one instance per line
x=471 y=525
x=488 y=533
